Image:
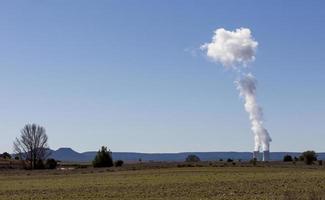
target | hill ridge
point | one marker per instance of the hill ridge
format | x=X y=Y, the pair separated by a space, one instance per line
x=68 y=154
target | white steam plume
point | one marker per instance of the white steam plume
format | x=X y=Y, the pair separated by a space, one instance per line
x=247 y=89
x=231 y=47
x=235 y=49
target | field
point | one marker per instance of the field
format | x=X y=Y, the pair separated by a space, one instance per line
x=182 y=182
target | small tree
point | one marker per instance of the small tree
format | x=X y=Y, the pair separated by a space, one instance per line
x=287 y=158
x=32 y=145
x=39 y=164
x=103 y=158
x=253 y=161
x=6 y=155
x=51 y=163
x=192 y=158
x=119 y=163
x=309 y=157
x=301 y=158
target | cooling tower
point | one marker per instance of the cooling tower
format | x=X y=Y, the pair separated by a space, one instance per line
x=256 y=155
x=266 y=155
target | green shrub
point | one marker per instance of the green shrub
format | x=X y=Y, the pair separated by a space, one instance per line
x=5 y=155
x=51 y=163
x=253 y=161
x=287 y=158
x=309 y=157
x=103 y=158
x=39 y=164
x=320 y=162
x=119 y=163
x=192 y=158
x=301 y=158
x=230 y=160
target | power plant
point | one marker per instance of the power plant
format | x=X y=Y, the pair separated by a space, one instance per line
x=256 y=155
x=235 y=50
x=265 y=156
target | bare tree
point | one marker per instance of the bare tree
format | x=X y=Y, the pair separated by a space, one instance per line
x=32 y=144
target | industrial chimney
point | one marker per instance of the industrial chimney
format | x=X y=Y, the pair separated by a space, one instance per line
x=256 y=155
x=266 y=155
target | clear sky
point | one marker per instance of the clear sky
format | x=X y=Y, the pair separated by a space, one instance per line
x=130 y=75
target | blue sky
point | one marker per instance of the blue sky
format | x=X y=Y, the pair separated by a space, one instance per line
x=130 y=75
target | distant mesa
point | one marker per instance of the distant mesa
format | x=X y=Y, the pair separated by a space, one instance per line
x=68 y=154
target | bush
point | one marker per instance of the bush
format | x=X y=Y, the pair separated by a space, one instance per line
x=309 y=157
x=103 y=158
x=287 y=158
x=301 y=158
x=253 y=161
x=39 y=164
x=192 y=158
x=51 y=163
x=229 y=160
x=6 y=155
x=119 y=163
x=320 y=162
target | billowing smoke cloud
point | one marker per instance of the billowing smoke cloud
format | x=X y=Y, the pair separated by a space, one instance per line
x=247 y=88
x=235 y=49
x=231 y=48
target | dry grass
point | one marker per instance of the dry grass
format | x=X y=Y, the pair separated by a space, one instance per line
x=183 y=183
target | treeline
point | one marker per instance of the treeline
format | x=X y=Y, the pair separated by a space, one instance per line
x=32 y=148
x=308 y=157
